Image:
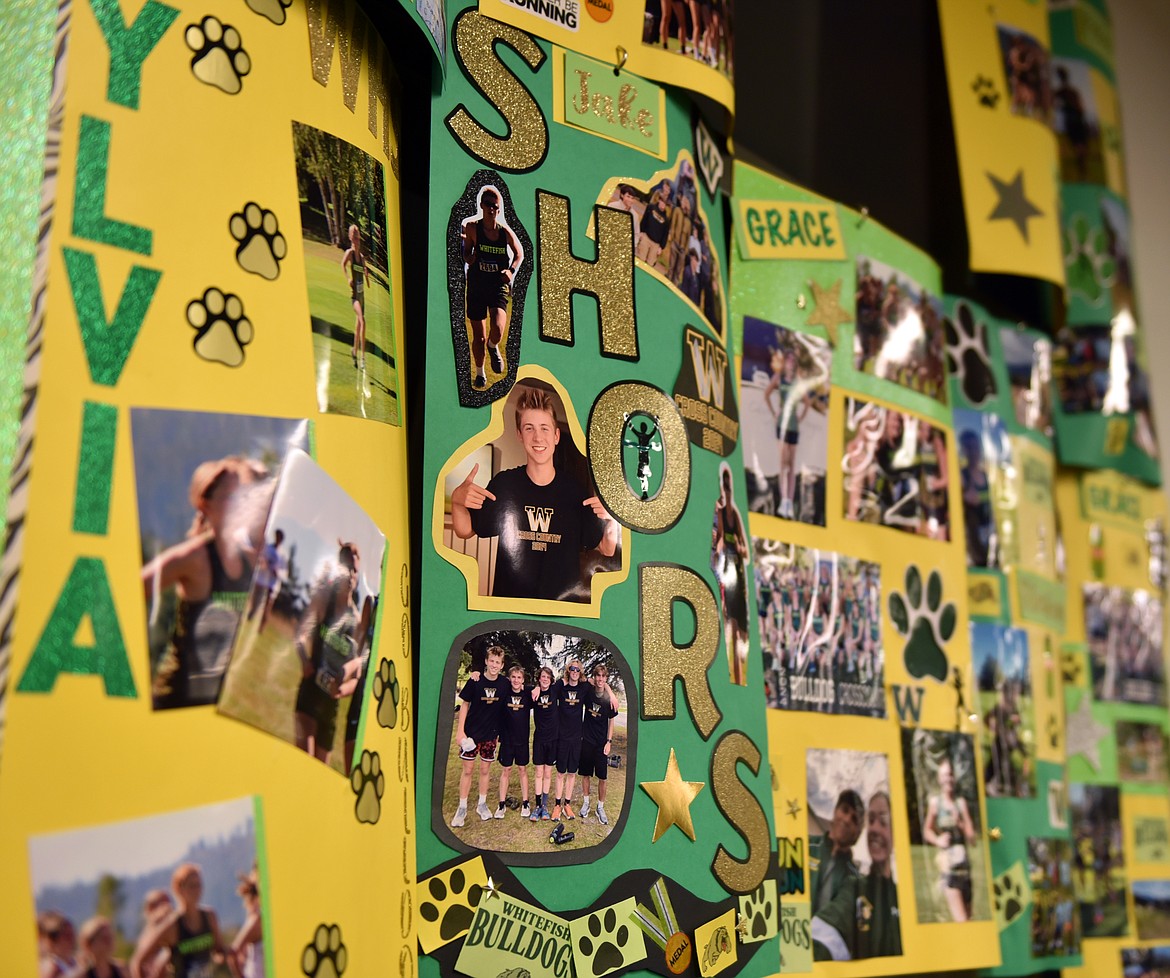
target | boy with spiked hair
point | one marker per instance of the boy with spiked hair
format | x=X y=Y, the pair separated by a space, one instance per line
x=478 y=731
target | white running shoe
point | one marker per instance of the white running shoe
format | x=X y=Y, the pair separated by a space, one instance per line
x=601 y=816
x=584 y=812
x=483 y=811
x=501 y=811
x=460 y=816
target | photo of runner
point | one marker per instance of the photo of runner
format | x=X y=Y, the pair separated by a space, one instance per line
x=729 y=556
x=1123 y=627
x=1151 y=909
x=820 y=629
x=204 y=484
x=1077 y=122
x=298 y=679
x=540 y=741
x=984 y=448
x=91 y=887
x=853 y=889
x=784 y=411
x=999 y=656
x=347 y=266
x=529 y=512
x=1142 y=752
x=942 y=796
x=895 y=467
x=899 y=333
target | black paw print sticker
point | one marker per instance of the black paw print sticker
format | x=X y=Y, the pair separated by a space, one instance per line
x=926 y=629
x=758 y=908
x=274 y=10
x=1055 y=729
x=221 y=329
x=386 y=693
x=967 y=351
x=449 y=906
x=260 y=247
x=602 y=946
x=325 y=955
x=219 y=56
x=984 y=89
x=1007 y=891
x=368 y=783
x=1072 y=667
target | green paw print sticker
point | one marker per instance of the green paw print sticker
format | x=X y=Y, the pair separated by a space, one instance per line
x=1090 y=267
x=926 y=629
x=325 y=955
x=386 y=692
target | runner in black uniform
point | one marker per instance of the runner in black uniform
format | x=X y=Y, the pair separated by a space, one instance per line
x=190 y=931
x=544 y=739
x=570 y=694
x=490 y=274
x=97 y=948
x=596 y=738
x=327 y=646
x=731 y=547
x=211 y=573
x=514 y=731
x=357 y=274
x=478 y=731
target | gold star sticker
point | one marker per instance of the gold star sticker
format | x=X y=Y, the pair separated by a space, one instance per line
x=491 y=889
x=673 y=796
x=794 y=807
x=827 y=311
x=741 y=926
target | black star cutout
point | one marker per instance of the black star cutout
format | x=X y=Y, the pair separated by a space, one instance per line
x=1012 y=204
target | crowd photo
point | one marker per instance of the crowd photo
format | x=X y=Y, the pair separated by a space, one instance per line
x=539 y=734
x=699 y=29
x=820 y=629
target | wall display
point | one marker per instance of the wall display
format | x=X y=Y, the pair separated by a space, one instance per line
x=211 y=505
x=586 y=536
x=998 y=63
x=851 y=468
x=1114 y=666
x=432 y=16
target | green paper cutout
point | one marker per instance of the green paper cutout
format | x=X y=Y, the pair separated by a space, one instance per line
x=86 y=592
x=129 y=46
x=925 y=629
x=108 y=345
x=95 y=468
x=89 y=193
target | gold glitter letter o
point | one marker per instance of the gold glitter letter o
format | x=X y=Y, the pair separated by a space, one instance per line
x=607 y=422
x=742 y=809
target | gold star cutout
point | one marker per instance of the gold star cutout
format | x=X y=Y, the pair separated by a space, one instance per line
x=827 y=311
x=1084 y=734
x=673 y=796
x=491 y=889
x=741 y=926
x=794 y=807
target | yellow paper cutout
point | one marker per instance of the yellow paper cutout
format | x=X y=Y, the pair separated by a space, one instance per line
x=715 y=945
x=1008 y=162
x=447 y=902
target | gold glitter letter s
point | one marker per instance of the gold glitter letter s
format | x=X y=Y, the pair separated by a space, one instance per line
x=742 y=809
x=659 y=586
x=525 y=145
x=609 y=278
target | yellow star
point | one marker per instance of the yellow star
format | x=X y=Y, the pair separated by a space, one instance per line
x=827 y=309
x=673 y=796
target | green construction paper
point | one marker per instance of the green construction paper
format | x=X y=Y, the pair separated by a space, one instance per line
x=780 y=291
x=1083 y=30
x=577 y=167
x=431 y=17
x=1020 y=819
